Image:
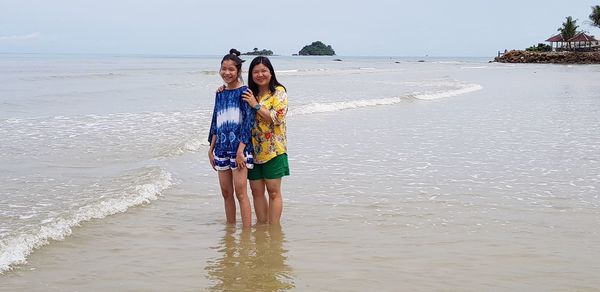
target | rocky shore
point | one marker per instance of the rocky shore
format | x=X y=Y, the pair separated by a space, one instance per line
x=516 y=56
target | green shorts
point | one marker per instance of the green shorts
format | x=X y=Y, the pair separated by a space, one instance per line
x=275 y=168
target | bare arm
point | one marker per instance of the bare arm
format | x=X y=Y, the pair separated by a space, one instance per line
x=211 y=155
x=240 y=159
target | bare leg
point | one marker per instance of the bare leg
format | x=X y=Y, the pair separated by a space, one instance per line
x=226 y=183
x=275 y=200
x=261 y=207
x=241 y=192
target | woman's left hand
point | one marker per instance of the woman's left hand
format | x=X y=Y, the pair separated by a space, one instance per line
x=249 y=97
x=240 y=160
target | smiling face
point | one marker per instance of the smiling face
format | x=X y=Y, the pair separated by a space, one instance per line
x=261 y=75
x=229 y=72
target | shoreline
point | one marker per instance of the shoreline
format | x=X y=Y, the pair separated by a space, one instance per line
x=518 y=56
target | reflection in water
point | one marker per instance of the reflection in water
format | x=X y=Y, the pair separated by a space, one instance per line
x=251 y=260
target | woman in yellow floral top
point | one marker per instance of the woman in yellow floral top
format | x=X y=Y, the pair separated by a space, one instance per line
x=269 y=98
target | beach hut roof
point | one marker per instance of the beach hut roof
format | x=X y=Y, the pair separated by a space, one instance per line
x=582 y=37
x=556 y=38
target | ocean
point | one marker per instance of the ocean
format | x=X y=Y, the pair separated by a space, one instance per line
x=407 y=173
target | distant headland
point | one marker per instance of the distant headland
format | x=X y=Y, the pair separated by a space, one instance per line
x=570 y=46
x=257 y=52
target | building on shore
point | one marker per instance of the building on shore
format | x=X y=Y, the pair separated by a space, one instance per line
x=580 y=42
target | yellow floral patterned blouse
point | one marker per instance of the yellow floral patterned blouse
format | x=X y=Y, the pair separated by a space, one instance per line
x=269 y=139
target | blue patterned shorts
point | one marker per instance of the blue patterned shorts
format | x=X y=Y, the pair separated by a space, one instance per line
x=225 y=160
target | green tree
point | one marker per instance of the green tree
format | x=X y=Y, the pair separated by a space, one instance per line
x=595 y=16
x=257 y=52
x=540 y=48
x=568 y=29
x=317 y=48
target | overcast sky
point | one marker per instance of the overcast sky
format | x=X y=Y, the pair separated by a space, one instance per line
x=352 y=28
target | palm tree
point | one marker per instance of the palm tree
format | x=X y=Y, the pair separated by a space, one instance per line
x=595 y=16
x=568 y=29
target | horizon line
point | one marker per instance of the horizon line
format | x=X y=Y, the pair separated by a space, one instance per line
x=218 y=55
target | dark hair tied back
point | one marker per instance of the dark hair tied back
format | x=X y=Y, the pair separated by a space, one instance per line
x=234 y=56
x=235 y=52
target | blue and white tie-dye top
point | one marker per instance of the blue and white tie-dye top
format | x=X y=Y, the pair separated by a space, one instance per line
x=232 y=121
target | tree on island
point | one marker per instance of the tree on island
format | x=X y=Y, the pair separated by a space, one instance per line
x=317 y=49
x=257 y=52
x=569 y=29
x=539 y=48
x=595 y=16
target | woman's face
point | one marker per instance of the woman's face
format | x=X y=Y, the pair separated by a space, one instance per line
x=261 y=75
x=229 y=72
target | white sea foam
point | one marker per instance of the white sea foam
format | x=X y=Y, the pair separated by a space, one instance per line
x=194 y=144
x=353 y=104
x=286 y=71
x=207 y=72
x=467 y=88
x=14 y=250
x=87 y=75
x=448 y=62
x=342 y=105
x=129 y=136
x=474 y=67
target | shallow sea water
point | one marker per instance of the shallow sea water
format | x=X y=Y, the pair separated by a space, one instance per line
x=495 y=188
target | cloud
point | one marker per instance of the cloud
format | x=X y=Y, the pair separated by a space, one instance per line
x=20 y=37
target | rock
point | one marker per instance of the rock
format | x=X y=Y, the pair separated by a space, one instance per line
x=550 y=57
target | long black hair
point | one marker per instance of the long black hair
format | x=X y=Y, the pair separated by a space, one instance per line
x=234 y=56
x=272 y=83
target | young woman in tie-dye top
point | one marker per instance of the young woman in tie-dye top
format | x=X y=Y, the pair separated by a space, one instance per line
x=230 y=151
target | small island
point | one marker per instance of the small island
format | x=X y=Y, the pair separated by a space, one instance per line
x=257 y=52
x=317 y=48
x=570 y=46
